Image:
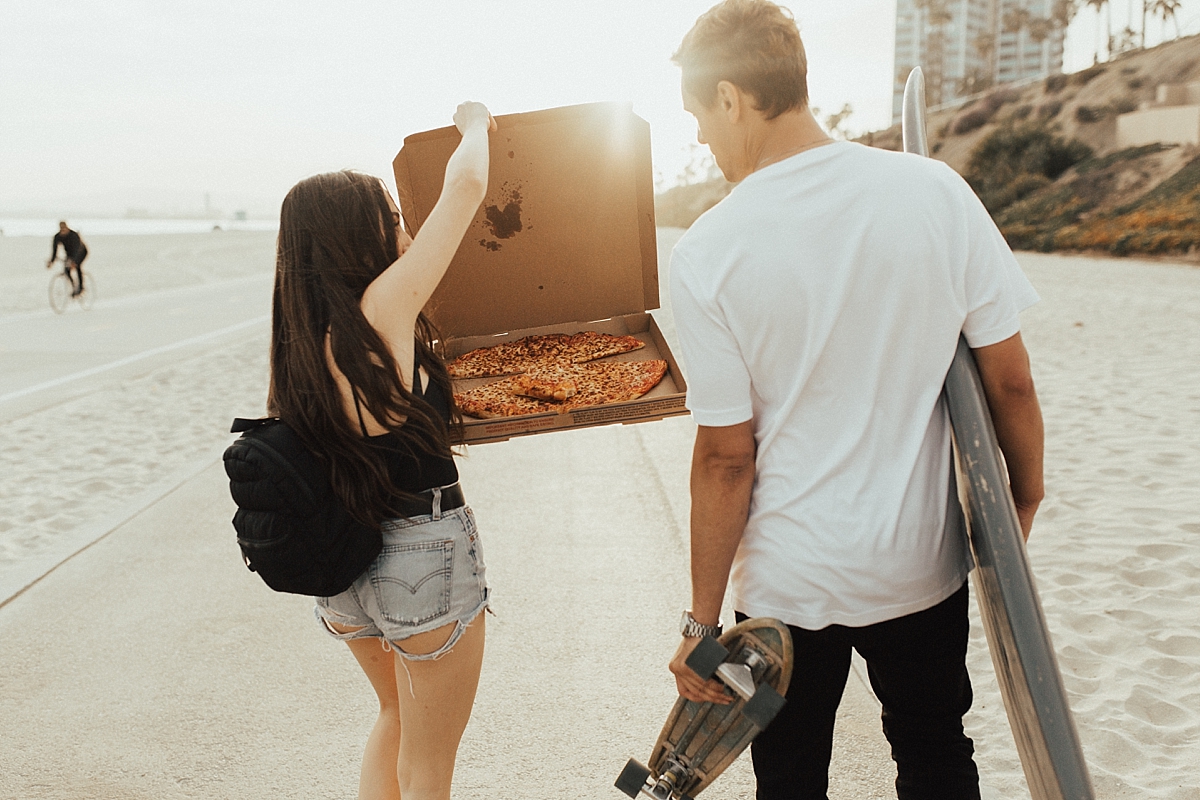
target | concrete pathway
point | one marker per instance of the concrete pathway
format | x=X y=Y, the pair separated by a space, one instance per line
x=49 y=357
x=153 y=665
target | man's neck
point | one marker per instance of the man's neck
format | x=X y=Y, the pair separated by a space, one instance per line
x=789 y=134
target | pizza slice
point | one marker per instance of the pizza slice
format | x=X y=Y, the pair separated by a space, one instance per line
x=546 y=386
x=509 y=358
x=590 y=346
x=615 y=382
x=500 y=399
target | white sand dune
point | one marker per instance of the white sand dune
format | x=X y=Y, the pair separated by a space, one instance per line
x=1116 y=548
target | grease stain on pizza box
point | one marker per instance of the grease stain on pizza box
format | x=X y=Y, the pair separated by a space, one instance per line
x=564 y=242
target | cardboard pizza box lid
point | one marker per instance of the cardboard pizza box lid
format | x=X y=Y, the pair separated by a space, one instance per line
x=566 y=231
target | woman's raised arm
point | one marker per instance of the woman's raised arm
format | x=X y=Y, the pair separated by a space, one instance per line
x=394 y=299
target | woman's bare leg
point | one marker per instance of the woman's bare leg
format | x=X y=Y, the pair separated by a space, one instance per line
x=434 y=715
x=377 y=780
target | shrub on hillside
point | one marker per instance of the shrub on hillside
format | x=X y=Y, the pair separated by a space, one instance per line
x=1085 y=76
x=1013 y=161
x=1020 y=187
x=971 y=120
x=1049 y=110
x=1031 y=223
x=1164 y=220
x=976 y=115
x=1055 y=83
x=1122 y=105
x=1086 y=115
x=1128 y=154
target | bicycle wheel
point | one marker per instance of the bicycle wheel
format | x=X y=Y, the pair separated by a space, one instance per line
x=87 y=298
x=60 y=293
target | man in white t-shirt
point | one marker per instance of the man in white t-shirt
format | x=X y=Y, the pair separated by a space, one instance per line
x=818 y=308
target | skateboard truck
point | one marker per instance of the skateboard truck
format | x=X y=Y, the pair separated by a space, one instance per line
x=636 y=778
x=762 y=702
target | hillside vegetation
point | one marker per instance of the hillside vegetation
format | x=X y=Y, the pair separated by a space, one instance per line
x=1043 y=157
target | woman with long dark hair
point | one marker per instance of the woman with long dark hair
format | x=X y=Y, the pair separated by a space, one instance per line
x=356 y=372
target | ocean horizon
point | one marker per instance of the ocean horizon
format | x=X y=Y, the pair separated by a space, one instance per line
x=135 y=226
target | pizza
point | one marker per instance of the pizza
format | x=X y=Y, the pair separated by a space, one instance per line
x=580 y=385
x=546 y=386
x=590 y=346
x=541 y=350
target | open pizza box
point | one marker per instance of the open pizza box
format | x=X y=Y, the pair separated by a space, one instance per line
x=563 y=243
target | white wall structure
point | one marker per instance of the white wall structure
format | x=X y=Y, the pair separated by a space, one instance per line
x=1174 y=118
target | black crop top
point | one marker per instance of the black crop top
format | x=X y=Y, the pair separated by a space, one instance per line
x=415 y=471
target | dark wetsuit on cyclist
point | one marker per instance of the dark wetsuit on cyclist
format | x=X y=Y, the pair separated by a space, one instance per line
x=75 y=251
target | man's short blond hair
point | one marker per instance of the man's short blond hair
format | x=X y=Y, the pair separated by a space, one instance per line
x=753 y=44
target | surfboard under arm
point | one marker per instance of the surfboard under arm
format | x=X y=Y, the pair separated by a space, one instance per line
x=1018 y=638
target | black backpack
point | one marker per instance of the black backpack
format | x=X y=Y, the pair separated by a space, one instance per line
x=290 y=526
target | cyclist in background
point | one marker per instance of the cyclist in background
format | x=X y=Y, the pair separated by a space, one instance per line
x=75 y=251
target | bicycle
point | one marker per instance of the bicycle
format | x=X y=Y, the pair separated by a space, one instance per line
x=62 y=290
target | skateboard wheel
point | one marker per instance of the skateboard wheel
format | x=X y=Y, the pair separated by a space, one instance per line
x=706 y=657
x=763 y=706
x=632 y=779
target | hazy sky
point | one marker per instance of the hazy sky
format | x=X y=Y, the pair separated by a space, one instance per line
x=143 y=103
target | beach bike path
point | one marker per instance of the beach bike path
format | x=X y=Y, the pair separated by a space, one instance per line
x=47 y=357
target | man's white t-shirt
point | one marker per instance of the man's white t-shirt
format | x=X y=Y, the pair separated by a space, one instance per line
x=823 y=299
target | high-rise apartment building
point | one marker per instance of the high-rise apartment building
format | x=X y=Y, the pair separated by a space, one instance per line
x=966 y=46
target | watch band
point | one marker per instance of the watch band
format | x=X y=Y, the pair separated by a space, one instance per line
x=689 y=627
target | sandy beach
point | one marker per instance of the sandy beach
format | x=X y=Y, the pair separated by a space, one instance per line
x=571 y=543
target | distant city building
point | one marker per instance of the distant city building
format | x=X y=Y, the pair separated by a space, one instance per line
x=965 y=46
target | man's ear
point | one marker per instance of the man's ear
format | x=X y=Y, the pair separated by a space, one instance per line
x=729 y=101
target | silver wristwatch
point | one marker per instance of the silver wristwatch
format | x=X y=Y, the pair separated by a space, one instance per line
x=690 y=628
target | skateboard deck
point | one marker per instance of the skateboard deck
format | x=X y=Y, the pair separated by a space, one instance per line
x=754 y=660
x=1018 y=639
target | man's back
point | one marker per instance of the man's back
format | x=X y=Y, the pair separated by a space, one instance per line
x=824 y=298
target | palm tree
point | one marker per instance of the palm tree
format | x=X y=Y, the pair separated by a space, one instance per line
x=1040 y=29
x=1101 y=5
x=1167 y=8
x=1062 y=13
x=937 y=15
x=984 y=76
x=1016 y=20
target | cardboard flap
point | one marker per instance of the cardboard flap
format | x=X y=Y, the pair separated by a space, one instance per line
x=566 y=231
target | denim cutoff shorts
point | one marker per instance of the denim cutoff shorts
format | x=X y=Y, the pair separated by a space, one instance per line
x=430 y=573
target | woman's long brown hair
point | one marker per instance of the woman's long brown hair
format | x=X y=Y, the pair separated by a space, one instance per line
x=336 y=235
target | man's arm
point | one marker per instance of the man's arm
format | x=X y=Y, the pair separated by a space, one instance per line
x=721 y=484
x=53 y=250
x=1017 y=417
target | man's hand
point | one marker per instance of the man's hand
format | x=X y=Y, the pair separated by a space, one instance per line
x=689 y=683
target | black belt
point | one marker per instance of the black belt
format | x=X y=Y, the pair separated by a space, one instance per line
x=422 y=504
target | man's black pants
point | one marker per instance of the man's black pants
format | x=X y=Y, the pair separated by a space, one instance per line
x=917 y=667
